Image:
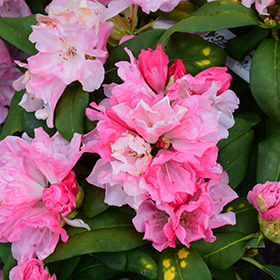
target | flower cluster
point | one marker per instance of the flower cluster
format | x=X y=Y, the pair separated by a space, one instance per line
x=157 y=135
x=71 y=42
x=38 y=190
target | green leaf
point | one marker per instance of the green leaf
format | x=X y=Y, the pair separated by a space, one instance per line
x=36 y=7
x=184 y=9
x=182 y=263
x=235 y=156
x=142 y=41
x=13 y=122
x=111 y=231
x=196 y=53
x=94 y=201
x=265 y=77
x=65 y=268
x=276 y=275
x=9 y=264
x=5 y=250
x=268 y=166
x=213 y=16
x=70 y=111
x=91 y=268
x=116 y=261
x=227 y=274
x=224 y=252
x=246 y=217
x=251 y=118
x=17 y=30
x=240 y=46
x=140 y=262
x=274 y=269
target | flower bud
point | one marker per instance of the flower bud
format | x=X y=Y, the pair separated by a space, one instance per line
x=154 y=67
x=271 y=229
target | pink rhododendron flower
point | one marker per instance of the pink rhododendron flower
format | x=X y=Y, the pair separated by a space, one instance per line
x=265 y=198
x=60 y=198
x=261 y=5
x=31 y=171
x=176 y=70
x=71 y=42
x=158 y=151
x=154 y=67
x=156 y=222
x=33 y=269
x=14 y=8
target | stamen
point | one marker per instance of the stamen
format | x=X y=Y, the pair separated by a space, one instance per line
x=168 y=173
x=7 y=6
x=41 y=237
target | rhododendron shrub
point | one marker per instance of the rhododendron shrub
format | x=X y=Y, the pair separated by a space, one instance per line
x=127 y=149
x=154 y=140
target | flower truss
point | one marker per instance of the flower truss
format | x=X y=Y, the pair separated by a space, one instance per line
x=157 y=135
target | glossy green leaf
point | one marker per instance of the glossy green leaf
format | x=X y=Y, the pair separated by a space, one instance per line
x=9 y=264
x=274 y=275
x=246 y=217
x=91 y=268
x=17 y=30
x=5 y=250
x=94 y=201
x=140 y=262
x=142 y=41
x=222 y=253
x=65 y=268
x=265 y=77
x=196 y=53
x=227 y=274
x=240 y=46
x=13 y=122
x=274 y=269
x=251 y=118
x=184 y=9
x=70 y=111
x=114 y=260
x=111 y=231
x=268 y=166
x=182 y=263
x=213 y=16
x=234 y=158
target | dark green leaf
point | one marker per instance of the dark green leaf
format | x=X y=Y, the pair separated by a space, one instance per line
x=94 y=201
x=13 y=122
x=251 y=118
x=196 y=53
x=111 y=231
x=246 y=217
x=268 y=167
x=91 y=268
x=213 y=16
x=274 y=269
x=182 y=263
x=184 y=9
x=276 y=275
x=65 y=268
x=142 y=41
x=116 y=261
x=234 y=158
x=36 y=6
x=17 y=30
x=5 y=250
x=140 y=262
x=227 y=274
x=265 y=77
x=222 y=253
x=70 y=111
x=9 y=264
x=240 y=46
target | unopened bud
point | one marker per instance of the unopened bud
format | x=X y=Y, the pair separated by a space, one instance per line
x=271 y=229
x=270 y=22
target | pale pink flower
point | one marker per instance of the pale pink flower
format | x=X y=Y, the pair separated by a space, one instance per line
x=261 y=5
x=33 y=269
x=27 y=168
x=156 y=222
x=14 y=8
